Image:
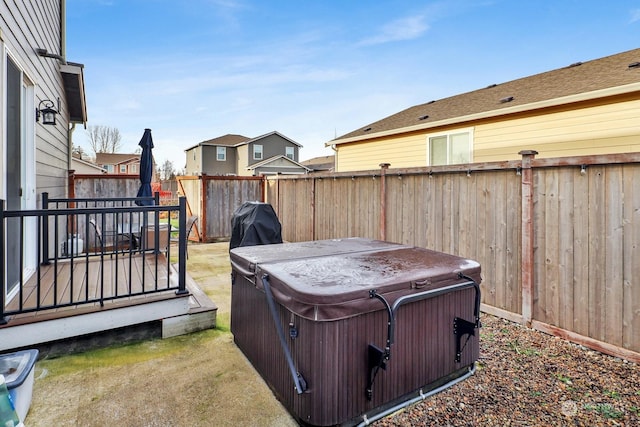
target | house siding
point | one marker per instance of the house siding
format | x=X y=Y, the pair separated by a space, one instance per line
x=596 y=128
x=273 y=145
x=211 y=165
x=401 y=151
x=192 y=165
x=243 y=152
x=26 y=26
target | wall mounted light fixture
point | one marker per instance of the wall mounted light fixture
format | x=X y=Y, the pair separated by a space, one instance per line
x=48 y=112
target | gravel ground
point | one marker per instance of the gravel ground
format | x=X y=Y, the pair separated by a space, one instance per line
x=528 y=378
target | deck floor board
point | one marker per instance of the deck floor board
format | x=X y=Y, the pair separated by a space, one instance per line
x=93 y=278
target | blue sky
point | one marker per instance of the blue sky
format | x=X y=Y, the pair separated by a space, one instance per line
x=193 y=70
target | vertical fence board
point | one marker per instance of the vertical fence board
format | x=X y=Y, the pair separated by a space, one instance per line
x=500 y=231
x=539 y=227
x=419 y=191
x=631 y=269
x=463 y=231
x=597 y=254
x=566 y=285
x=551 y=238
x=614 y=256
x=482 y=212
x=513 y=218
x=580 y=227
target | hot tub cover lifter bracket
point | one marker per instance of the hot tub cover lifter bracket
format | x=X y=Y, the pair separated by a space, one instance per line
x=298 y=380
x=462 y=327
x=378 y=358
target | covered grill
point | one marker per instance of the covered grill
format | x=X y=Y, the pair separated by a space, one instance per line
x=343 y=330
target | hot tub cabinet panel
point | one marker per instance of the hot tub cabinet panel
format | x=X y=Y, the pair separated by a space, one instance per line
x=365 y=325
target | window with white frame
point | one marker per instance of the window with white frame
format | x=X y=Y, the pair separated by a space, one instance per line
x=221 y=154
x=289 y=152
x=449 y=148
x=257 y=152
x=123 y=168
x=110 y=168
x=134 y=168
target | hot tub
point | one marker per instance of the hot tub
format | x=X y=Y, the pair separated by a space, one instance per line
x=345 y=330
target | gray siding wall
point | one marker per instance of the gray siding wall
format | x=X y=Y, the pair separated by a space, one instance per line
x=272 y=145
x=211 y=165
x=25 y=26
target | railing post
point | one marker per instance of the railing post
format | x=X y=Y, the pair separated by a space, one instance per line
x=45 y=229
x=383 y=200
x=527 y=238
x=182 y=246
x=3 y=281
x=156 y=224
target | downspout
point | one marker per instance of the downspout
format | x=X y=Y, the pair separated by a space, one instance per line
x=63 y=30
x=70 y=146
x=63 y=54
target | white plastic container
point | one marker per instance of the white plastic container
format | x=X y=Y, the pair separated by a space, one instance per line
x=18 y=371
x=77 y=243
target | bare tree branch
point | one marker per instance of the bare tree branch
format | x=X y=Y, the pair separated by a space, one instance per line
x=104 y=139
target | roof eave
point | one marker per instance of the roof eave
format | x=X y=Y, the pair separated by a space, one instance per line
x=570 y=99
x=73 y=80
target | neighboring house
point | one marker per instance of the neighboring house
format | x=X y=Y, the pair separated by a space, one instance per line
x=586 y=108
x=320 y=164
x=269 y=154
x=82 y=166
x=119 y=163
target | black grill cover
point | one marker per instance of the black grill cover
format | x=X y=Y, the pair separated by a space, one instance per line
x=255 y=223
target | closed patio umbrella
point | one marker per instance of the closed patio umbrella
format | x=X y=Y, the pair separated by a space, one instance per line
x=146 y=169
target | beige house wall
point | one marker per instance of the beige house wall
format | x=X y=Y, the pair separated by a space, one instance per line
x=591 y=129
x=243 y=160
x=193 y=165
x=400 y=151
x=603 y=129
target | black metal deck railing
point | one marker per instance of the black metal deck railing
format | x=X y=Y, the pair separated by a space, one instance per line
x=89 y=251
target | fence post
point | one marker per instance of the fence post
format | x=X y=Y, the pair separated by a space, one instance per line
x=383 y=200
x=527 y=240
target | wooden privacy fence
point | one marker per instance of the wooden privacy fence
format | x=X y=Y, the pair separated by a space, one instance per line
x=214 y=199
x=557 y=238
x=103 y=185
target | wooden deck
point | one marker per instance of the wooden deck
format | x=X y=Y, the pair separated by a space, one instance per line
x=91 y=284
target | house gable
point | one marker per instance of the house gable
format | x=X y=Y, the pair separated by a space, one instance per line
x=119 y=163
x=278 y=165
